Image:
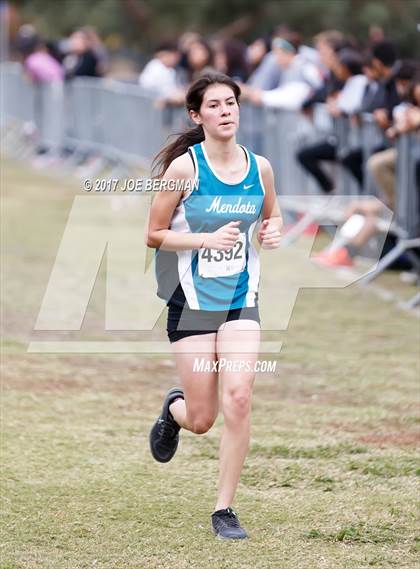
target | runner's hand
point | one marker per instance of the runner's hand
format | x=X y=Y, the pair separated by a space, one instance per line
x=224 y=238
x=268 y=236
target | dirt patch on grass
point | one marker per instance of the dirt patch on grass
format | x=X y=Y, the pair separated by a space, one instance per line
x=120 y=375
x=297 y=383
x=404 y=438
x=123 y=374
x=397 y=434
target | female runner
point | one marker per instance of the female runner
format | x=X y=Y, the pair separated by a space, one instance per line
x=208 y=272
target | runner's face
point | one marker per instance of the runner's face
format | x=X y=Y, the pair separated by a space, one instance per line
x=219 y=112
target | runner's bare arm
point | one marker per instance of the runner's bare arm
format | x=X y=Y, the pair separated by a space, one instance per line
x=158 y=234
x=269 y=233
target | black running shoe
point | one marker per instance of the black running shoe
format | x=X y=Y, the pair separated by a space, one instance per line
x=226 y=525
x=164 y=435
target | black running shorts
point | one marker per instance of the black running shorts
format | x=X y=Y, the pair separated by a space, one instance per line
x=183 y=322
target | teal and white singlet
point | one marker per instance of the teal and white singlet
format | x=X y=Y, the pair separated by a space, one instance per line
x=208 y=279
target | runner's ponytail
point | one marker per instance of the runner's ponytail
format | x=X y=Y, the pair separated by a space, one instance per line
x=176 y=148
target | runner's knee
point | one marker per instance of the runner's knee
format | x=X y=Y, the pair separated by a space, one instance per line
x=201 y=425
x=200 y=421
x=237 y=403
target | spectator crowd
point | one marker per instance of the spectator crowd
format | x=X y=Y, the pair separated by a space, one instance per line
x=277 y=71
x=349 y=79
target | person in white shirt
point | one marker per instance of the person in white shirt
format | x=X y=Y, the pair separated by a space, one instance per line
x=349 y=69
x=299 y=77
x=265 y=71
x=159 y=75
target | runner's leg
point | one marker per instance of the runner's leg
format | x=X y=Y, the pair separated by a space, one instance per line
x=236 y=389
x=199 y=410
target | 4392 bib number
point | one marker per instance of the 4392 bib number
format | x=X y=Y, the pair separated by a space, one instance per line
x=213 y=263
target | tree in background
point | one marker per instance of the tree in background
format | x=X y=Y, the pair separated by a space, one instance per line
x=141 y=24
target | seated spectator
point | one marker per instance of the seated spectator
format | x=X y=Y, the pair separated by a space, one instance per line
x=386 y=65
x=266 y=74
x=38 y=63
x=327 y=44
x=98 y=49
x=42 y=67
x=405 y=79
x=381 y=95
x=299 y=77
x=159 y=75
x=386 y=92
x=347 y=101
x=382 y=165
x=366 y=213
x=372 y=85
x=349 y=70
x=388 y=86
x=81 y=60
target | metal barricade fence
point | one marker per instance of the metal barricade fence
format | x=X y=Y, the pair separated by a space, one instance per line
x=176 y=120
x=250 y=133
x=18 y=95
x=407 y=208
x=406 y=224
x=50 y=116
x=138 y=130
x=121 y=122
x=116 y=119
x=81 y=116
x=30 y=106
x=282 y=135
x=348 y=137
x=372 y=139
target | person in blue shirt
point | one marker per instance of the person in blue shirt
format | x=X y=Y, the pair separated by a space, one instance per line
x=208 y=272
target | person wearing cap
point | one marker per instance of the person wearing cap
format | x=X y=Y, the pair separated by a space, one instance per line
x=298 y=79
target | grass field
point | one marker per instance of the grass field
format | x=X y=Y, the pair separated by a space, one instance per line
x=331 y=480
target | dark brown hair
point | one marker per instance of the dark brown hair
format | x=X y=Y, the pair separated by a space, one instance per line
x=193 y=102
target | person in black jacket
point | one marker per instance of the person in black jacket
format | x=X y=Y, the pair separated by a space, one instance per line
x=387 y=66
x=380 y=97
x=349 y=65
x=81 y=60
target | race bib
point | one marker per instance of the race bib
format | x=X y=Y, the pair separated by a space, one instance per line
x=213 y=263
